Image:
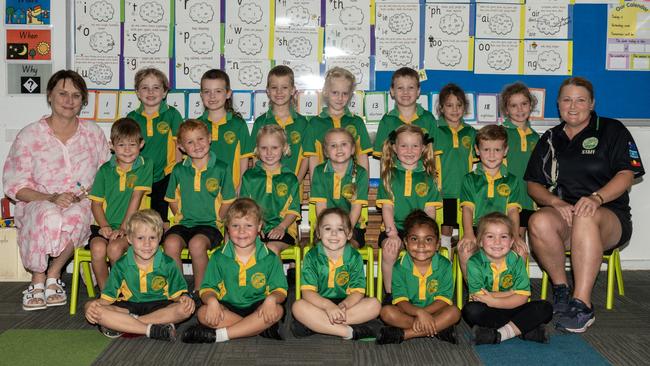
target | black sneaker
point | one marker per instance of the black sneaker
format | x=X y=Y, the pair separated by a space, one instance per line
x=561 y=297
x=300 y=330
x=484 y=335
x=273 y=332
x=110 y=333
x=577 y=319
x=448 y=335
x=364 y=332
x=539 y=334
x=163 y=332
x=199 y=334
x=390 y=335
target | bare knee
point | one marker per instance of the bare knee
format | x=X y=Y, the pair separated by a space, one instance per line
x=98 y=248
x=389 y=314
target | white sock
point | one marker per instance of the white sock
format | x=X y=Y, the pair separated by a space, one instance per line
x=506 y=332
x=148 y=329
x=445 y=241
x=222 y=335
x=350 y=333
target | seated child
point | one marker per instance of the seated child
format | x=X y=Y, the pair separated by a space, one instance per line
x=125 y=304
x=244 y=286
x=334 y=285
x=499 y=289
x=117 y=193
x=199 y=192
x=422 y=288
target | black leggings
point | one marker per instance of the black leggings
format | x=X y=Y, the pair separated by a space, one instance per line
x=526 y=317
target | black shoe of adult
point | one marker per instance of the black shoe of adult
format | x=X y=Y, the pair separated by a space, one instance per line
x=390 y=335
x=300 y=330
x=484 y=335
x=448 y=335
x=199 y=334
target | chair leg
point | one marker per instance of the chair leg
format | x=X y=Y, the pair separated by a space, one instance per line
x=459 y=282
x=74 y=291
x=619 y=272
x=298 y=270
x=380 y=278
x=610 y=281
x=543 y=294
x=370 y=273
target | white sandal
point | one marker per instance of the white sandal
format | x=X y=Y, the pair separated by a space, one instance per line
x=34 y=292
x=58 y=291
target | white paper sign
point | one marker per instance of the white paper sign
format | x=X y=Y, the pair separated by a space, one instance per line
x=308 y=103
x=261 y=104
x=547 y=57
x=128 y=102
x=247 y=74
x=487 y=108
x=434 y=104
x=356 y=102
x=540 y=95
x=133 y=64
x=88 y=112
x=375 y=106
x=194 y=106
x=177 y=100
x=106 y=106
x=501 y=21
x=99 y=72
x=470 y=115
x=242 y=103
x=498 y=56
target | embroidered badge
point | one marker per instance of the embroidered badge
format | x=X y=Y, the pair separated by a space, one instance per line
x=212 y=184
x=158 y=283
x=295 y=137
x=590 y=143
x=432 y=286
x=503 y=190
x=162 y=127
x=342 y=278
x=229 y=137
x=258 y=280
x=506 y=281
x=281 y=189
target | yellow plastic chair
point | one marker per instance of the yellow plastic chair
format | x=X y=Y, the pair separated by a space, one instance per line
x=294 y=253
x=613 y=258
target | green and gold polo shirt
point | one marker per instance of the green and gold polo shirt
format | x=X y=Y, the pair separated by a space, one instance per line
x=412 y=190
x=485 y=193
x=340 y=191
x=243 y=284
x=295 y=127
x=159 y=134
x=200 y=192
x=456 y=158
x=230 y=139
x=333 y=279
x=113 y=187
x=162 y=280
x=422 y=289
x=275 y=191
x=319 y=125
x=509 y=275
x=393 y=120
x=521 y=142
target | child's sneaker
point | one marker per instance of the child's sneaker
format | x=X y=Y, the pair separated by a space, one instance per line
x=364 y=332
x=300 y=330
x=561 y=297
x=390 y=335
x=162 y=332
x=110 y=333
x=577 y=319
x=483 y=335
x=448 y=335
x=199 y=334
x=539 y=334
x=273 y=332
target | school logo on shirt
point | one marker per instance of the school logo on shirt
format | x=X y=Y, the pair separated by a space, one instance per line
x=158 y=283
x=162 y=127
x=258 y=280
x=503 y=190
x=295 y=137
x=347 y=191
x=229 y=137
x=342 y=278
x=506 y=281
x=352 y=130
x=590 y=143
x=421 y=189
x=432 y=286
x=212 y=184
x=634 y=152
x=281 y=189
x=130 y=180
x=466 y=141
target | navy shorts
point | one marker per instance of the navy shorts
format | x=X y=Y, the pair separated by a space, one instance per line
x=187 y=233
x=143 y=308
x=450 y=212
x=524 y=216
x=243 y=312
x=287 y=239
x=157 y=195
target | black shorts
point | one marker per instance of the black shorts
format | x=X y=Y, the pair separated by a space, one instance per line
x=157 y=195
x=94 y=233
x=243 y=312
x=450 y=212
x=337 y=301
x=143 y=308
x=359 y=235
x=383 y=236
x=187 y=233
x=626 y=227
x=287 y=239
x=524 y=216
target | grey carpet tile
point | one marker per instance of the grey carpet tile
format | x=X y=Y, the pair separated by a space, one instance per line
x=621 y=349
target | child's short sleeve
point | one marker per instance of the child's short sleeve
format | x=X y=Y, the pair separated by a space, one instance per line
x=145 y=177
x=212 y=277
x=400 y=288
x=357 y=276
x=227 y=189
x=309 y=273
x=433 y=198
x=382 y=196
x=277 y=280
x=294 y=204
x=176 y=281
x=362 y=186
x=250 y=146
x=112 y=288
x=309 y=140
x=521 y=282
x=474 y=276
x=467 y=192
x=244 y=139
x=175 y=121
x=445 y=282
x=318 y=192
x=514 y=198
x=98 y=191
x=381 y=136
x=363 y=139
x=244 y=191
x=170 y=195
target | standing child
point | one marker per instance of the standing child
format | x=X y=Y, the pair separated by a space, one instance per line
x=407 y=183
x=200 y=191
x=337 y=92
x=489 y=188
x=341 y=182
x=422 y=288
x=405 y=89
x=280 y=89
x=227 y=130
x=159 y=124
x=516 y=103
x=143 y=292
x=275 y=188
x=499 y=289
x=454 y=138
x=244 y=287
x=117 y=193
x=334 y=285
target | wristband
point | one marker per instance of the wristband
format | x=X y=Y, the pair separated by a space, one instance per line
x=597 y=195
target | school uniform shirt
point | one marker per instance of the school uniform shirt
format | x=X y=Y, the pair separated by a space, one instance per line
x=162 y=280
x=159 y=134
x=319 y=125
x=333 y=279
x=510 y=275
x=412 y=189
x=113 y=187
x=200 y=192
x=295 y=127
x=485 y=193
x=422 y=289
x=230 y=139
x=336 y=190
x=393 y=120
x=275 y=191
x=521 y=142
x=587 y=162
x=456 y=155
x=244 y=284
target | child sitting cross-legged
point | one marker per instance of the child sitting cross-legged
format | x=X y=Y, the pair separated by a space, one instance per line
x=334 y=285
x=244 y=285
x=143 y=294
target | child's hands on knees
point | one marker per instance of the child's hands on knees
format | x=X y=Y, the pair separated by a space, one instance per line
x=93 y=312
x=214 y=313
x=116 y=234
x=424 y=323
x=335 y=314
x=392 y=245
x=187 y=304
x=276 y=233
x=269 y=310
x=106 y=232
x=468 y=244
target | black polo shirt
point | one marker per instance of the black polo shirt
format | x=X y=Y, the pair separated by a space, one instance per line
x=588 y=162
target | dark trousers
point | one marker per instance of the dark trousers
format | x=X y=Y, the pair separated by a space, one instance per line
x=526 y=317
